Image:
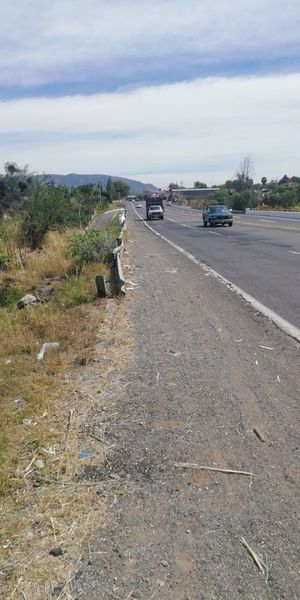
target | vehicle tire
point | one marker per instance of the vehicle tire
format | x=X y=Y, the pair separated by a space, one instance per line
x=211 y=224
x=162 y=218
x=204 y=224
x=230 y=224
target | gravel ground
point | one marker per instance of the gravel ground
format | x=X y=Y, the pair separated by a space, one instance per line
x=196 y=386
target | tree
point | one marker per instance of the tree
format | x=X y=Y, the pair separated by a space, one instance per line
x=120 y=189
x=244 y=176
x=49 y=208
x=199 y=185
x=174 y=186
x=15 y=187
x=264 y=180
x=109 y=189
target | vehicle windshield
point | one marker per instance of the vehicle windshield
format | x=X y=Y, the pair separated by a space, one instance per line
x=155 y=208
x=218 y=209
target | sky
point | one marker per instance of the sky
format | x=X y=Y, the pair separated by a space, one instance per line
x=156 y=90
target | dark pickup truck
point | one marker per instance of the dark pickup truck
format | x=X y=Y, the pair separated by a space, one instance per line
x=218 y=214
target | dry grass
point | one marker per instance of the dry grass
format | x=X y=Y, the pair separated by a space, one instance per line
x=37 y=518
x=35 y=400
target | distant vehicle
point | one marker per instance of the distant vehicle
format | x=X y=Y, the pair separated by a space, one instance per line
x=138 y=206
x=155 y=212
x=154 y=201
x=169 y=203
x=217 y=214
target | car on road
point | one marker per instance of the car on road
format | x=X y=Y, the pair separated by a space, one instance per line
x=138 y=206
x=217 y=214
x=155 y=212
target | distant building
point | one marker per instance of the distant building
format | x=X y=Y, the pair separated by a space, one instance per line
x=193 y=196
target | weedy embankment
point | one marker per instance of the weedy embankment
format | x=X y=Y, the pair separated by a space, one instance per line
x=42 y=406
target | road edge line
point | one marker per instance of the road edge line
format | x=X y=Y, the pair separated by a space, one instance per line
x=281 y=323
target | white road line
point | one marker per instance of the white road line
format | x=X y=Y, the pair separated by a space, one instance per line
x=214 y=233
x=182 y=224
x=284 y=325
x=267 y=220
x=293 y=252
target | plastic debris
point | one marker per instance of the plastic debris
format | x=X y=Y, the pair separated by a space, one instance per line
x=85 y=453
x=45 y=347
x=28 y=422
x=49 y=450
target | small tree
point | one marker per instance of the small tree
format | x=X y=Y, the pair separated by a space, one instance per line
x=49 y=208
x=199 y=185
x=120 y=189
x=174 y=186
x=244 y=176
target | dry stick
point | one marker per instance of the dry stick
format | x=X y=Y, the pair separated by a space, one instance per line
x=31 y=463
x=56 y=482
x=259 y=434
x=53 y=528
x=71 y=411
x=218 y=469
x=15 y=589
x=258 y=561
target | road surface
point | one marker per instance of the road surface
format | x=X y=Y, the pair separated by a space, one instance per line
x=260 y=255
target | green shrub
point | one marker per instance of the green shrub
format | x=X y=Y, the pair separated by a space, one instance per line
x=92 y=246
x=4 y=262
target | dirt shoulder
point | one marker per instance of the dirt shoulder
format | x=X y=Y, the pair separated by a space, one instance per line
x=203 y=372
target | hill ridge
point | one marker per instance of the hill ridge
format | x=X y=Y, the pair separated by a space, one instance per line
x=76 y=179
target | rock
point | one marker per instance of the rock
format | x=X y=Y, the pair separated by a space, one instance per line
x=56 y=551
x=80 y=361
x=115 y=476
x=57 y=590
x=164 y=563
x=57 y=278
x=45 y=292
x=27 y=300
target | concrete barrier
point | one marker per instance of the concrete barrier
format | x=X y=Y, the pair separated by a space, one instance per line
x=287 y=214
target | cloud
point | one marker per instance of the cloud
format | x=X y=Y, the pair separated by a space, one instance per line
x=197 y=129
x=71 y=41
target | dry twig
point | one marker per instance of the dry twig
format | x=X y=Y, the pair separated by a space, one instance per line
x=15 y=589
x=257 y=559
x=71 y=411
x=259 y=434
x=218 y=469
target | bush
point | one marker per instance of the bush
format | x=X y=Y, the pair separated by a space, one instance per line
x=92 y=246
x=49 y=208
x=241 y=201
x=4 y=262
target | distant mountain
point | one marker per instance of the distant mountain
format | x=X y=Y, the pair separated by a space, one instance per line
x=75 y=179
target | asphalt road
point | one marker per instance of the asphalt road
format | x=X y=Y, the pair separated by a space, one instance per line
x=261 y=255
